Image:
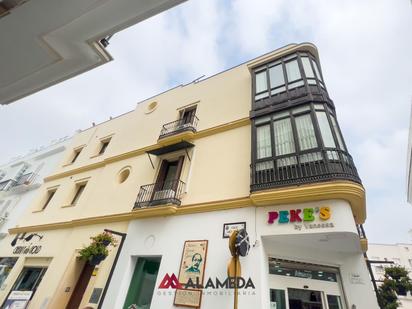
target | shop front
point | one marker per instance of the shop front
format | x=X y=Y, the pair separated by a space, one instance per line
x=302 y=256
x=43 y=269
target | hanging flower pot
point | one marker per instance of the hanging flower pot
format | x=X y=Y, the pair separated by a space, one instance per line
x=96 y=259
x=105 y=239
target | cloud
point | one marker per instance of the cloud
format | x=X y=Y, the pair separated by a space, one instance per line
x=365 y=56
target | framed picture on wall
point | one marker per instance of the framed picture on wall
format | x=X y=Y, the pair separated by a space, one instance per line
x=192 y=267
x=193 y=261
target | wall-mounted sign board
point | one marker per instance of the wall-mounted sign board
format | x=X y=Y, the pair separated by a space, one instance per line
x=228 y=228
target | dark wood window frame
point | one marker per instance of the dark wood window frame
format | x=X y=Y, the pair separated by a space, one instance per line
x=282 y=61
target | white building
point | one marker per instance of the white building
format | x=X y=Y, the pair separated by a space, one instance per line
x=48 y=41
x=399 y=254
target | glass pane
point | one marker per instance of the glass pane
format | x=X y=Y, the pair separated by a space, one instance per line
x=261 y=83
x=334 y=302
x=276 y=76
x=332 y=155
x=300 y=109
x=295 y=84
x=307 y=67
x=262 y=120
x=280 y=115
x=278 y=90
x=319 y=106
x=286 y=161
x=28 y=279
x=312 y=82
x=263 y=142
x=306 y=132
x=261 y=96
x=292 y=70
x=310 y=157
x=277 y=299
x=6 y=265
x=299 y=298
x=284 y=143
x=315 y=65
x=337 y=133
x=262 y=166
x=325 y=130
x=142 y=284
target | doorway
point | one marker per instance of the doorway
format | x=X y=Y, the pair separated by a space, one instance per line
x=304 y=286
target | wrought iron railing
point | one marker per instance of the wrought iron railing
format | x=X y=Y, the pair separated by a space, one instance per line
x=361 y=231
x=168 y=192
x=26 y=179
x=7 y=184
x=303 y=168
x=180 y=125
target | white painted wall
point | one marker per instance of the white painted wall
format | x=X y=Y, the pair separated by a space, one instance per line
x=169 y=234
x=15 y=201
x=400 y=254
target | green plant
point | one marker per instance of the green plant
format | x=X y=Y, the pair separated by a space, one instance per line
x=94 y=249
x=105 y=238
x=396 y=282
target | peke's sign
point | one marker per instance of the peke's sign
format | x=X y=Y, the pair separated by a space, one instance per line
x=303 y=218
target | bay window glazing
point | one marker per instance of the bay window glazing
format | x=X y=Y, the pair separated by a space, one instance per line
x=286 y=74
x=299 y=144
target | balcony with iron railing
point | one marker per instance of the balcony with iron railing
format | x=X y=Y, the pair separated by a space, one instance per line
x=160 y=193
x=179 y=126
x=7 y=184
x=306 y=167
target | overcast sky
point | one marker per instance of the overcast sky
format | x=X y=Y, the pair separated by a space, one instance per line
x=365 y=50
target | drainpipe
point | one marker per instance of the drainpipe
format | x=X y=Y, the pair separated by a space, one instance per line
x=123 y=237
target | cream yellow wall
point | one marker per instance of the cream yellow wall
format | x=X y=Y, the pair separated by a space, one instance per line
x=59 y=249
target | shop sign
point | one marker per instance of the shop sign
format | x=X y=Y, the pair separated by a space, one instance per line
x=305 y=217
x=26 y=247
x=228 y=228
x=18 y=299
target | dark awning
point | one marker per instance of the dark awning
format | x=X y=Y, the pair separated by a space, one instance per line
x=171 y=148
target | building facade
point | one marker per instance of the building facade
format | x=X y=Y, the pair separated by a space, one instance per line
x=20 y=179
x=398 y=254
x=256 y=148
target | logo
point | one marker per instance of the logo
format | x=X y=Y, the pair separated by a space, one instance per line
x=170 y=282
x=297 y=215
x=27 y=249
x=228 y=283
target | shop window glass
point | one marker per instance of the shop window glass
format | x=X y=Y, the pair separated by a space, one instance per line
x=334 y=302
x=6 y=265
x=284 y=143
x=306 y=132
x=325 y=130
x=264 y=144
x=142 y=284
x=29 y=279
x=277 y=299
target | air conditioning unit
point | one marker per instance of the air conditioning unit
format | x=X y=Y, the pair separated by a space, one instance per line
x=164 y=194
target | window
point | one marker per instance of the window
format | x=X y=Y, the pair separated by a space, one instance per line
x=188 y=115
x=143 y=283
x=300 y=131
x=29 y=279
x=50 y=194
x=264 y=144
x=6 y=265
x=277 y=80
x=103 y=146
x=76 y=154
x=169 y=174
x=79 y=191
